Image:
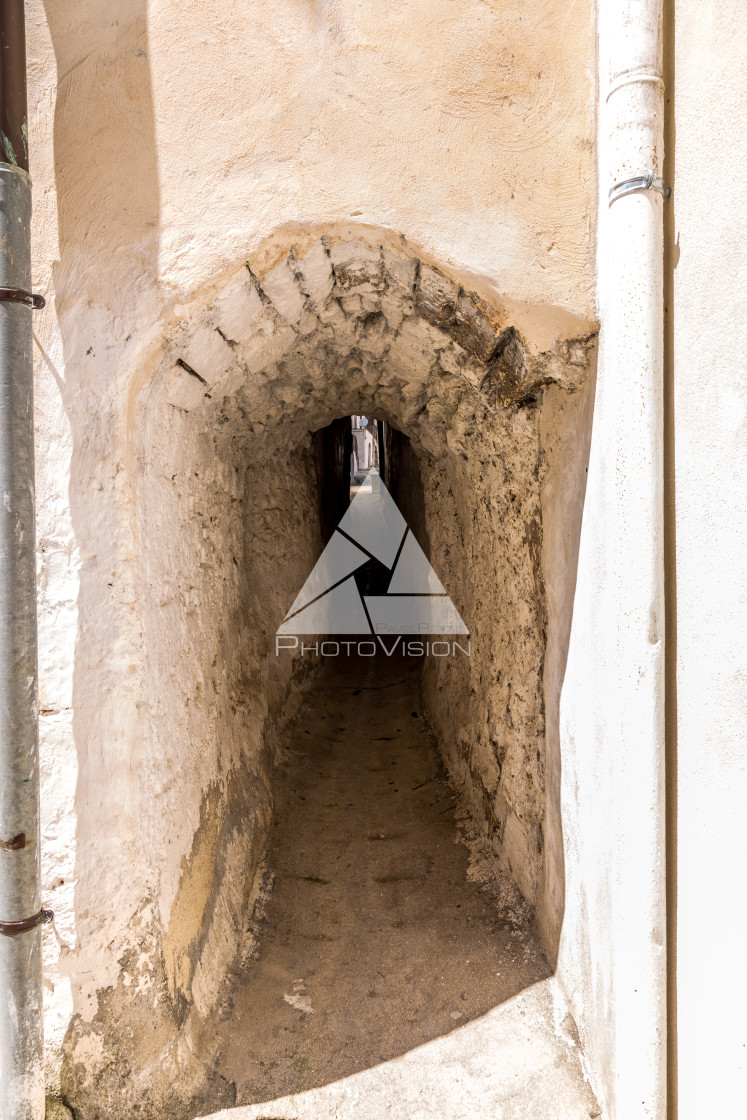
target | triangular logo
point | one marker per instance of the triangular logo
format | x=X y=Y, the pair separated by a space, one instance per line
x=415 y=602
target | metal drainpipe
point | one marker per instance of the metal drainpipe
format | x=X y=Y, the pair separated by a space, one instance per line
x=21 y=1028
x=631 y=297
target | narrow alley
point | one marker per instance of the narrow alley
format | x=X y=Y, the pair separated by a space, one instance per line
x=379 y=976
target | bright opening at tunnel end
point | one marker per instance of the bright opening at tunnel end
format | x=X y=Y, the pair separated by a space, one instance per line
x=415 y=605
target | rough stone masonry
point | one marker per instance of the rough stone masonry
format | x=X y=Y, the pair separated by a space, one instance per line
x=226 y=470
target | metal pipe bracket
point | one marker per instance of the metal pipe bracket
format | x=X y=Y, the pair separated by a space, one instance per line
x=637 y=184
x=12 y=929
x=17 y=295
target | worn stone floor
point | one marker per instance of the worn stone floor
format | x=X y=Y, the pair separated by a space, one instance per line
x=379 y=978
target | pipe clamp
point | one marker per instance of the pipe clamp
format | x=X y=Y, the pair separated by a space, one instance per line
x=12 y=929
x=643 y=181
x=17 y=295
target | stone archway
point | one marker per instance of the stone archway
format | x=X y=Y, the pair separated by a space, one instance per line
x=317 y=326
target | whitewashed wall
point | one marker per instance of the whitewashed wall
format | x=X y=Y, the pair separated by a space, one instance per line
x=709 y=573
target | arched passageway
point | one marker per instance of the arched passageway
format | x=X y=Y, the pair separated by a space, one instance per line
x=378 y=951
x=379 y=973
x=228 y=464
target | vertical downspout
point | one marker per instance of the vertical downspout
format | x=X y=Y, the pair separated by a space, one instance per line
x=21 y=1038
x=631 y=297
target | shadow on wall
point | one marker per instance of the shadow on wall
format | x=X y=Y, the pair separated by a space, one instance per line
x=565 y=436
x=336 y=448
x=401 y=474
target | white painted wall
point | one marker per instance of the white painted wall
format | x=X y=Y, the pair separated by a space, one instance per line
x=612 y=962
x=710 y=457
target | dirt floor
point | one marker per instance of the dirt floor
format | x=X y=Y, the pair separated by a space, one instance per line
x=379 y=978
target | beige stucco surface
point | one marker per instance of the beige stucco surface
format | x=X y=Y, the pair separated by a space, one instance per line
x=425 y=117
